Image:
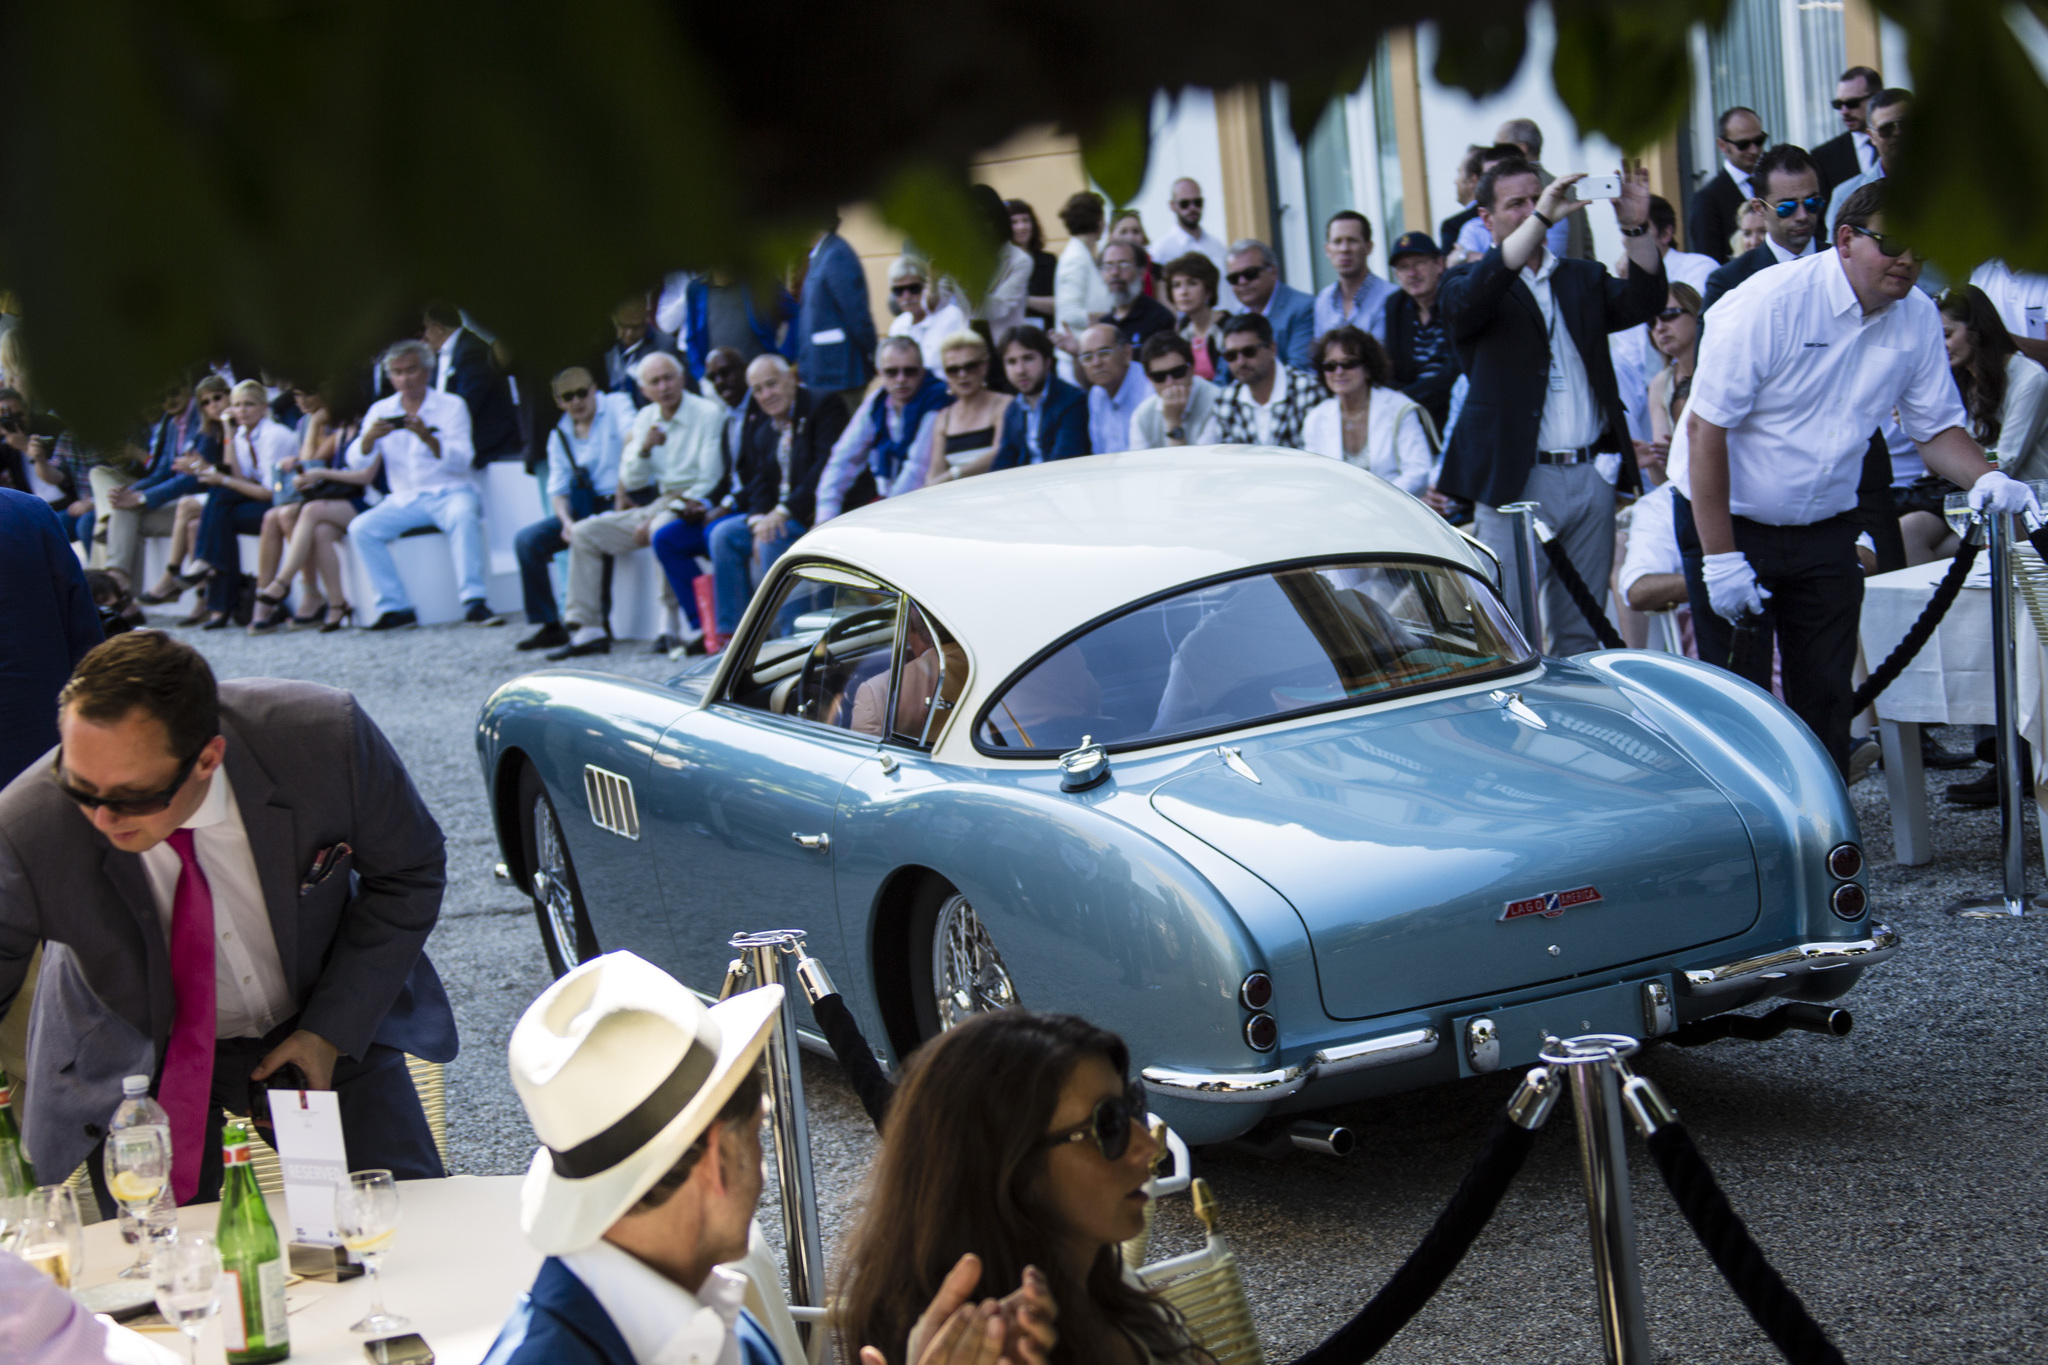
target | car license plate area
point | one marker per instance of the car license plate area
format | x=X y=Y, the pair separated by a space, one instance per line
x=1522 y=1028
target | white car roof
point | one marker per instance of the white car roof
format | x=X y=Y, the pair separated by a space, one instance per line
x=1014 y=560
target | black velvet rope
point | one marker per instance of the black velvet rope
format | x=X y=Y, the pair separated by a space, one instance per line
x=1568 y=574
x=850 y=1046
x=1424 y=1272
x=1886 y=673
x=1735 y=1253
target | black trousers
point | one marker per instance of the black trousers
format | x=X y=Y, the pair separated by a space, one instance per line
x=382 y=1124
x=1816 y=603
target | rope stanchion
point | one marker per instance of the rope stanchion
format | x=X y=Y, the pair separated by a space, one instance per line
x=1582 y=596
x=1770 y=1301
x=850 y=1046
x=1886 y=673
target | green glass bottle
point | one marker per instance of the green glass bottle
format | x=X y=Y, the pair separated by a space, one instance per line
x=252 y=1323
x=16 y=1175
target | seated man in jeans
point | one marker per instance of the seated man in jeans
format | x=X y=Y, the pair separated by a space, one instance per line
x=423 y=435
x=673 y=445
x=583 y=479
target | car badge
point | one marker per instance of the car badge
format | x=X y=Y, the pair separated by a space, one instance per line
x=1550 y=904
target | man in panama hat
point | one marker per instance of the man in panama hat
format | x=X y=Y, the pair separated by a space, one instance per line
x=648 y=1107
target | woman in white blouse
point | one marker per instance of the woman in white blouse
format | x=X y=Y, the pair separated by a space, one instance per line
x=926 y=317
x=1367 y=422
x=238 y=494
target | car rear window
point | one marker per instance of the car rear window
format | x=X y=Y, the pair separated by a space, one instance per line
x=1255 y=648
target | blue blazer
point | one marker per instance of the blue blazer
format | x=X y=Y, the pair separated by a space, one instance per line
x=1293 y=315
x=48 y=620
x=1062 y=427
x=835 y=308
x=560 y=1322
x=477 y=381
x=696 y=336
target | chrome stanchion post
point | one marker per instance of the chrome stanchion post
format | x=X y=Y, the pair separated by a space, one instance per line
x=2012 y=784
x=1593 y=1066
x=1528 y=596
x=761 y=955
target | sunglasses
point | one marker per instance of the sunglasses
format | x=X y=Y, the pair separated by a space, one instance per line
x=1857 y=103
x=965 y=367
x=1813 y=204
x=572 y=395
x=1669 y=313
x=1245 y=276
x=914 y=287
x=1180 y=371
x=1891 y=128
x=1110 y=1124
x=1743 y=144
x=127 y=805
x=899 y=371
x=1187 y=203
x=1341 y=363
x=1243 y=353
x=1889 y=243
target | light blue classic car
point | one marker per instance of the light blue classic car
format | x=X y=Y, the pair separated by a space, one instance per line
x=1235 y=752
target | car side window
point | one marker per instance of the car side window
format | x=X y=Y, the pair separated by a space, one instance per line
x=830 y=639
x=931 y=673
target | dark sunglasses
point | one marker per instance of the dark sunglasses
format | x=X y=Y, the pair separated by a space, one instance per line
x=571 y=395
x=913 y=287
x=1889 y=243
x=1243 y=353
x=1891 y=128
x=1341 y=363
x=1857 y=103
x=965 y=367
x=151 y=804
x=899 y=371
x=1813 y=204
x=1110 y=1124
x=1245 y=276
x=1187 y=203
x=1180 y=371
x=1669 y=313
x=1743 y=144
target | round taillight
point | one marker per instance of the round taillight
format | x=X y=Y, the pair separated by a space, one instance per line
x=1257 y=991
x=1849 y=901
x=1262 y=1032
x=1845 y=861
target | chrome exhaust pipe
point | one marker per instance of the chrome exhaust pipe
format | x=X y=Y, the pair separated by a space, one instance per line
x=1801 y=1015
x=1810 y=1018
x=1327 y=1138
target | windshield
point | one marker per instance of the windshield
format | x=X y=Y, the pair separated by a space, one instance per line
x=1254 y=649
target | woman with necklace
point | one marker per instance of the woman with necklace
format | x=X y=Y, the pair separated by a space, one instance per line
x=968 y=427
x=1367 y=421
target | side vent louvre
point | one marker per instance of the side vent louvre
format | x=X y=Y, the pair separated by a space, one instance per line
x=611 y=801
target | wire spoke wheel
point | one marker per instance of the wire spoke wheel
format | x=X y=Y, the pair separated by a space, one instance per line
x=564 y=931
x=968 y=975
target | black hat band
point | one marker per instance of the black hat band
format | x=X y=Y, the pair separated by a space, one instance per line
x=598 y=1154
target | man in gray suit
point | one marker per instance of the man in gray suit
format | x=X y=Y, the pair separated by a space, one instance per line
x=231 y=881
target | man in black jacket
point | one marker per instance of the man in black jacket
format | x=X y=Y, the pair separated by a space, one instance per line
x=1531 y=332
x=464 y=366
x=1789 y=192
x=1425 y=366
x=1710 y=220
x=783 y=450
x=1842 y=158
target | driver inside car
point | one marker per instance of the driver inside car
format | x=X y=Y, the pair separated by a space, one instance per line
x=920 y=681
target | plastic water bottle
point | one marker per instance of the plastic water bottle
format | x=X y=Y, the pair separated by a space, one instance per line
x=138 y=1110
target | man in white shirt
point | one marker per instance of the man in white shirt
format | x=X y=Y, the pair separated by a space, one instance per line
x=675 y=446
x=2021 y=299
x=1800 y=364
x=422 y=435
x=1186 y=234
x=1357 y=297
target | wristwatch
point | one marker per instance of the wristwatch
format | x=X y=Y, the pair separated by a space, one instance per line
x=1638 y=230
x=1176 y=433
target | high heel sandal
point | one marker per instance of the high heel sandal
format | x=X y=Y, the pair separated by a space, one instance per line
x=310 y=618
x=273 y=613
x=336 y=622
x=169 y=588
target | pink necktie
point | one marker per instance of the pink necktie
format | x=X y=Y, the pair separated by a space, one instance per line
x=187 y=1086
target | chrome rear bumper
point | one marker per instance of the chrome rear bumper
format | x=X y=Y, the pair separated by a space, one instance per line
x=1800 y=959
x=1260 y=1087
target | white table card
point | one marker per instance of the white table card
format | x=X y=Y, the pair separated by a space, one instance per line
x=314 y=1159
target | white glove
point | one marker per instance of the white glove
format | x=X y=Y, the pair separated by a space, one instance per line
x=1732 y=586
x=1997 y=492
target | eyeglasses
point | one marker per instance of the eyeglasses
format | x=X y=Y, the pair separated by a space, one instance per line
x=912 y=287
x=127 y=805
x=1243 y=353
x=1891 y=128
x=1813 y=204
x=1743 y=144
x=1109 y=1124
x=1122 y=263
x=1856 y=103
x=572 y=395
x=1889 y=243
x=1180 y=371
x=1090 y=357
x=965 y=367
x=1246 y=276
x=1187 y=203
x=1342 y=362
x=900 y=371
x=1669 y=313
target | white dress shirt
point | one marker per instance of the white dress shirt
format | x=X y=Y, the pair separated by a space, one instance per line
x=1783 y=255
x=930 y=330
x=1077 y=288
x=1178 y=242
x=662 y=1322
x=1570 y=417
x=689 y=461
x=1396 y=447
x=444 y=361
x=2020 y=297
x=251 y=996
x=1740 y=177
x=1799 y=378
x=1866 y=150
x=257 y=449
x=1003 y=306
x=410 y=465
x=1652 y=539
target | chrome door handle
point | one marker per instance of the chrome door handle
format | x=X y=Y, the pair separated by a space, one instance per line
x=821 y=842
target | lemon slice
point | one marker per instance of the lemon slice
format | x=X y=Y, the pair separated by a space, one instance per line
x=130 y=1187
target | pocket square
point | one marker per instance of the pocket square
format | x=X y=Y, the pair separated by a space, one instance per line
x=325 y=863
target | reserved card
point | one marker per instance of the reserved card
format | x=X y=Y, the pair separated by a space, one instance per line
x=314 y=1159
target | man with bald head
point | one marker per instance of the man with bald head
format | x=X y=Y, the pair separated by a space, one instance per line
x=1186 y=234
x=672 y=447
x=1115 y=388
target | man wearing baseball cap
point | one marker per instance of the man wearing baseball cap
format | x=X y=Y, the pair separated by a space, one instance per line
x=648 y=1107
x=1425 y=366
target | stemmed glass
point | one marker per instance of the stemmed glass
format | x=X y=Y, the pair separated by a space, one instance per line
x=137 y=1168
x=1955 y=509
x=52 y=1238
x=186 y=1274
x=366 y=1216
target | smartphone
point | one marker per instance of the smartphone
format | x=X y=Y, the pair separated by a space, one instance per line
x=1598 y=187
x=410 y=1349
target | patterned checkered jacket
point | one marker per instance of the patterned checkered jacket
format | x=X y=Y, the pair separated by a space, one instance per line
x=1296 y=391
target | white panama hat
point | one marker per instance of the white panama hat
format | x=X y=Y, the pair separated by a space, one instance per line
x=621 y=1067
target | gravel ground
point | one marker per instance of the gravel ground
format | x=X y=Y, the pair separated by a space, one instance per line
x=1891 y=1176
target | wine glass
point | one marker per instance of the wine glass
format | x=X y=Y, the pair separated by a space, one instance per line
x=1955 y=509
x=186 y=1274
x=366 y=1216
x=137 y=1166
x=52 y=1238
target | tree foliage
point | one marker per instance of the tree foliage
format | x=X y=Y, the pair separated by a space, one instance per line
x=286 y=180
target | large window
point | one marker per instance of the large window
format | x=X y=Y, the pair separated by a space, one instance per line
x=1252 y=649
x=1780 y=58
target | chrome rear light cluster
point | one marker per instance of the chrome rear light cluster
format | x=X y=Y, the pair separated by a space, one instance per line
x=1849 y=900
x=1262 y=1030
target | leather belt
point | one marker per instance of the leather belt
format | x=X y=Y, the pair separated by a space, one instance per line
x=1579 y=456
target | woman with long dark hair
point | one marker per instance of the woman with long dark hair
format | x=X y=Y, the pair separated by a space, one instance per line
x=1029 y=238
x=1019 y=1138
